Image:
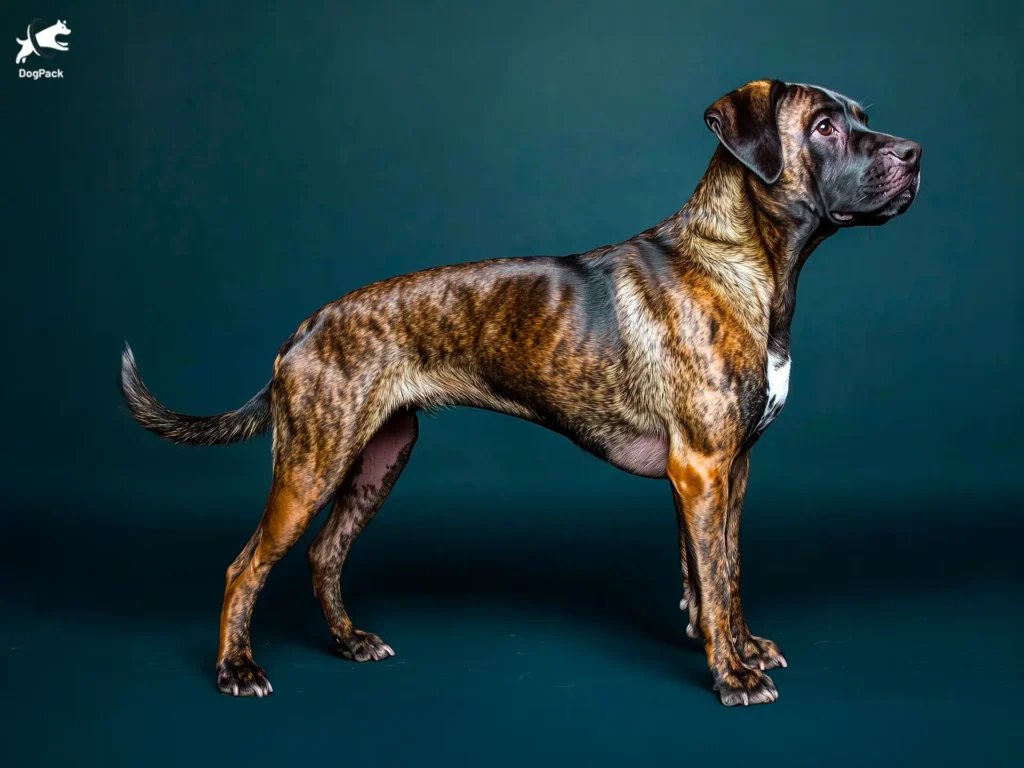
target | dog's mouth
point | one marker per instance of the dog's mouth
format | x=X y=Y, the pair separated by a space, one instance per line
x=897 y=203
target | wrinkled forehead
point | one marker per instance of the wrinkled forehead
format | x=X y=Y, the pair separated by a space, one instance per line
x=813 y=100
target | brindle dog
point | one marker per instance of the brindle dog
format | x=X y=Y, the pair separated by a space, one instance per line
x=666 y=355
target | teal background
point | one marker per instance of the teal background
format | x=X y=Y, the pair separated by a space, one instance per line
x=208 y=174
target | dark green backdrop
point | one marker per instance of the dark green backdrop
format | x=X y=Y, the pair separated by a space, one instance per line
x=208 y=174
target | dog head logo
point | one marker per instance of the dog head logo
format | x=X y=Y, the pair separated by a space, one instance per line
x=42 y=41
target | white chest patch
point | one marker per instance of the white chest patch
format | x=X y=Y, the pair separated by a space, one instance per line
x=778 y=388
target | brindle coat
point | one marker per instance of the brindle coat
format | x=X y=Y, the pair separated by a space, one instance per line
x=655 y=354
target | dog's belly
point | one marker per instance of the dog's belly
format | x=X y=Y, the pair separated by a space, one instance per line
x=643 y=455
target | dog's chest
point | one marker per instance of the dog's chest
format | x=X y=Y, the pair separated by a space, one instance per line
x=777 y=389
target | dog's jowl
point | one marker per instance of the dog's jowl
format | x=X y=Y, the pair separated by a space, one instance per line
x=666 y=355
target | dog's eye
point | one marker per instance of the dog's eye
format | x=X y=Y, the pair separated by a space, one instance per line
x=825 y=127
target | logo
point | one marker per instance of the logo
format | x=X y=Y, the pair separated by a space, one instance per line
x=41 y=41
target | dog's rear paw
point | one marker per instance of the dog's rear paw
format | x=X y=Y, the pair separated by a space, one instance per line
x=242 y=678
x=760 y=653
x=746 y=686
x=362 y=646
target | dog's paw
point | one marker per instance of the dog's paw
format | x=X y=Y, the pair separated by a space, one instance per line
x=760 y=653
x=745 y=686
x=693 y=625
x=362 y=646
x=242 y=678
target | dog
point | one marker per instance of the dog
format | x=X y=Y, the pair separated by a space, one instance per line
x=667 y=355
x=45 y=38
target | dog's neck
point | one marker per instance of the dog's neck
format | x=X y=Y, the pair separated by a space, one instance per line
x=751 y=246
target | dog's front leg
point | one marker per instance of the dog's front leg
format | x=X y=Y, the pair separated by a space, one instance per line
x=689 y=603
x=755 y=651
x=701 y=487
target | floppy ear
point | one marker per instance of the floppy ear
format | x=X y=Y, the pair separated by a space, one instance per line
x=744 y=121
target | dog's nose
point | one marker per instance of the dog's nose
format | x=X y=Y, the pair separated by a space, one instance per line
x=906 y=151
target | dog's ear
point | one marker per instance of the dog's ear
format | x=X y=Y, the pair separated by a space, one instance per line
x=745 y=122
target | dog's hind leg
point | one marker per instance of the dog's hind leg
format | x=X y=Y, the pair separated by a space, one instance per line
x=309 y=464
x=370 y=479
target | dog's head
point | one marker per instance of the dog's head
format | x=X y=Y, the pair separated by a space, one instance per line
x=815 y=154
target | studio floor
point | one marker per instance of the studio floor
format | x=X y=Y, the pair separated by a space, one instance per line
x=519 y=640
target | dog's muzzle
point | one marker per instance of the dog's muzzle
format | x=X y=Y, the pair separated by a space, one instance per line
x=891 y=187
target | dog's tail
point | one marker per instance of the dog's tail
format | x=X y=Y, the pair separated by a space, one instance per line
x=250 y=420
